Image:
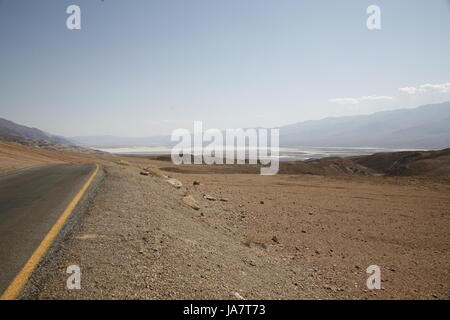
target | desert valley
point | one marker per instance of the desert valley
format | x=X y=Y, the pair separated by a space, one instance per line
x=155 y=230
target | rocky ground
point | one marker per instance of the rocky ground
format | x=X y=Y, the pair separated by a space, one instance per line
x=256 y=237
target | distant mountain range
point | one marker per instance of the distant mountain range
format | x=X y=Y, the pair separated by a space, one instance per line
x=425 y=127
x=115 y=142
x=9 y=128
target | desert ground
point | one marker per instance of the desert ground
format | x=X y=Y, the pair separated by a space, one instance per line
x=15 y=156
x=234 y=234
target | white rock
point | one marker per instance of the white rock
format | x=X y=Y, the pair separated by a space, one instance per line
x=191 y=202
x=174 y=182
x=237 y=295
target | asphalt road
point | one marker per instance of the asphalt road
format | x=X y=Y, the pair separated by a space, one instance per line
x=30 y=203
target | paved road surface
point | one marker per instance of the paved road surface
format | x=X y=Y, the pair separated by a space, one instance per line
x=30 y=203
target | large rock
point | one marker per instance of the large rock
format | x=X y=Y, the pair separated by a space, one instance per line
x=155 y=172
x=174 y=182
x=122 y=162
x=209 y=197
x=191 y=202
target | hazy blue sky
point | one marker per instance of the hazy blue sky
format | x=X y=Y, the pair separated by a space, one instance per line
x=145 y=67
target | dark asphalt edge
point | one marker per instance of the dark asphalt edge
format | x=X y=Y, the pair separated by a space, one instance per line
x=49 y=264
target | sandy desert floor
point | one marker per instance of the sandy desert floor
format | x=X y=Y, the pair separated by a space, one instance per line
x=263 y=237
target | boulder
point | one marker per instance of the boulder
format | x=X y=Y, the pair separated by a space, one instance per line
x=122 y=162
x=191 y=202
x=209 y=197
x=155 y=172
x=174 y=182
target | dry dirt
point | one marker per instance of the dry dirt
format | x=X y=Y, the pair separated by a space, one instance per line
x=14 y=156
x=276 y=237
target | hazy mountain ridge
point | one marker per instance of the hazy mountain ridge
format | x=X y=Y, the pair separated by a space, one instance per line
x=108 y=141
x=426 y=127
x=9 y=128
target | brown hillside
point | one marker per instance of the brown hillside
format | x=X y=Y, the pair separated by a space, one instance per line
x=15 y=156
x=409 y=163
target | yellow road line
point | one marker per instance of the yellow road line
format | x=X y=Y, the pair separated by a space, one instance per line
x=16 y=286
